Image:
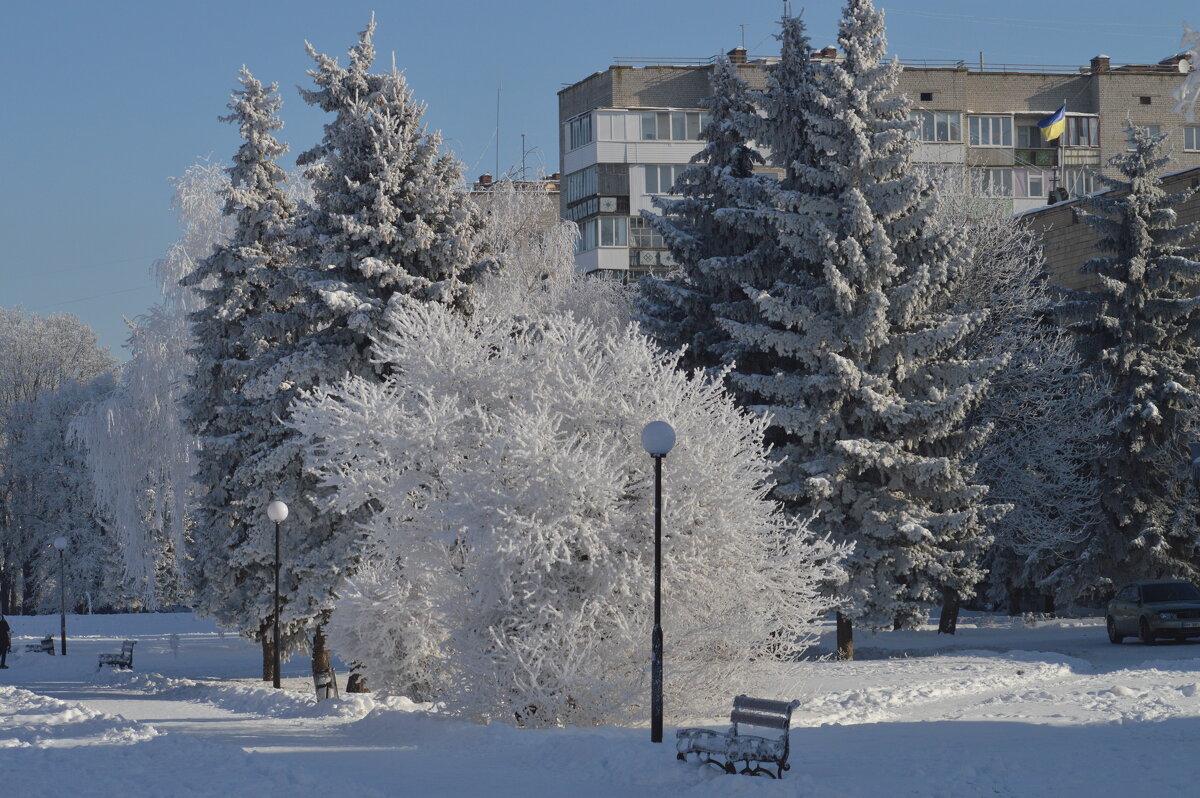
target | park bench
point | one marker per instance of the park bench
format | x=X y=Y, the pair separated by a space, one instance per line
x=724 y=748
x=45 y=645
x=122 y=660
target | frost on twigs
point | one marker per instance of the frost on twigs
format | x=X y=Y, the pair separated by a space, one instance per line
x=139 y=448
x=511 y=516
x=1046 y=407
x=1188 y=93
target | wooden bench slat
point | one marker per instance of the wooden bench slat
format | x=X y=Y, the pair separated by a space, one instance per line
x=764 y=704
x=759 y=719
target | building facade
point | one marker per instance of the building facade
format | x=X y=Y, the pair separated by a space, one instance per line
x=627 y=132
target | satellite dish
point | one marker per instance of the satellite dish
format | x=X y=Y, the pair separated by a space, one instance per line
x=1184 y=65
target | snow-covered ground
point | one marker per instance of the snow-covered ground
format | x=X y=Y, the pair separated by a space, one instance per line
x=1003 y=708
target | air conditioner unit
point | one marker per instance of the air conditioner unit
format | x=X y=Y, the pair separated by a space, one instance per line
x=648 y=257
x=608 y=205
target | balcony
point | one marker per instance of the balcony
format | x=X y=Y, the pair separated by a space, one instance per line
x=1038 y=158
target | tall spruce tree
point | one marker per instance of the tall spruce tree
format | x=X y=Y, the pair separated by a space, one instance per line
x=387 y=218
x=243 y=285
x=865 y=387
x=715 y=255
x=1143 y=325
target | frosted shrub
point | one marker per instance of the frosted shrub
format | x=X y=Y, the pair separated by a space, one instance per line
x=511 y=521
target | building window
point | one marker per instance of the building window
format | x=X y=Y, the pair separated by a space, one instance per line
x=1083 y=131
x=1191 y=137
x=938 y=125
x=1078 y=182
x=673 y=125
x=1035 y=185
x=991 y=131
x=580 y=131
x=1030 y=137
x=659 y=179
x=995 y=182
x=581 y=184
x=926 y=96
x=1144 y=100
x=614 y=231
x=643 y=236
x=587 y=236
x=1030 y=183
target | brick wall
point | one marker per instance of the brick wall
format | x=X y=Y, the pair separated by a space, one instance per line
x=1068 y=242
x=595 y=91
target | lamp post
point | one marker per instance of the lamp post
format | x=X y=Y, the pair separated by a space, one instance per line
x=277 y=511
x=658 y=438
x=60 y=543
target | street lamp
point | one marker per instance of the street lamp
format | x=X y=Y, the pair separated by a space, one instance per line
x=60 y=543
x=658 y=438
x=277 y=511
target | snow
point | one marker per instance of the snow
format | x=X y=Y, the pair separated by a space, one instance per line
x=1008 y=706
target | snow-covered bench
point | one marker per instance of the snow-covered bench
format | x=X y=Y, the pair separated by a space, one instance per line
x=724 y=748
x=122 y=660
x=44 y=646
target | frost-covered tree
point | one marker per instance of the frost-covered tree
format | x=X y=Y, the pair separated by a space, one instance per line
x=509 y=498
x=1046 y=406
x=1143 y=324
x=51 y=496
x=139 y=448
x=858 y=364
x=714 y=253
x=245 y=286
x=39 y=354
x=387 y=219
x=531 y=268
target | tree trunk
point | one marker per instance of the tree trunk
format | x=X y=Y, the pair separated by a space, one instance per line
x=5 y=591
x=948 y=623
x=357 y=683
x=324 y=678
x=268 y=653
x=28 y=589
x=845 y=638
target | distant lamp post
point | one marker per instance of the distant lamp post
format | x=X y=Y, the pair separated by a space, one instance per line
x=277 y=511
x=60 y=543
x=658 y=438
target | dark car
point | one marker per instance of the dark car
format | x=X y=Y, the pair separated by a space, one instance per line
x=1153 y=610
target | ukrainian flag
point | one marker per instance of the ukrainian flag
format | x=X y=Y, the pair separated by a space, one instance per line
x=1053 y=125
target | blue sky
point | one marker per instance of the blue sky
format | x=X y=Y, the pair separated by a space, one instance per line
x=104 y=101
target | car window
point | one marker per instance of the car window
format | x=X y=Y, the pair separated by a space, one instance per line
x=1128 y=594
x=1170 y=591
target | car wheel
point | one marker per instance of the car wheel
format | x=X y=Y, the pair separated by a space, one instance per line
x=1113 y=637
x=1145 y=633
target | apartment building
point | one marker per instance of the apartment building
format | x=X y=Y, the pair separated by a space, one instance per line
x=627 y=132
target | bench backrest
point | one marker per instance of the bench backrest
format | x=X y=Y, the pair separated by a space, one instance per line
x=763 y=712
x=127 y=648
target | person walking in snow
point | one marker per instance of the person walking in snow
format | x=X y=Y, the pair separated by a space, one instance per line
x=5 y=641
